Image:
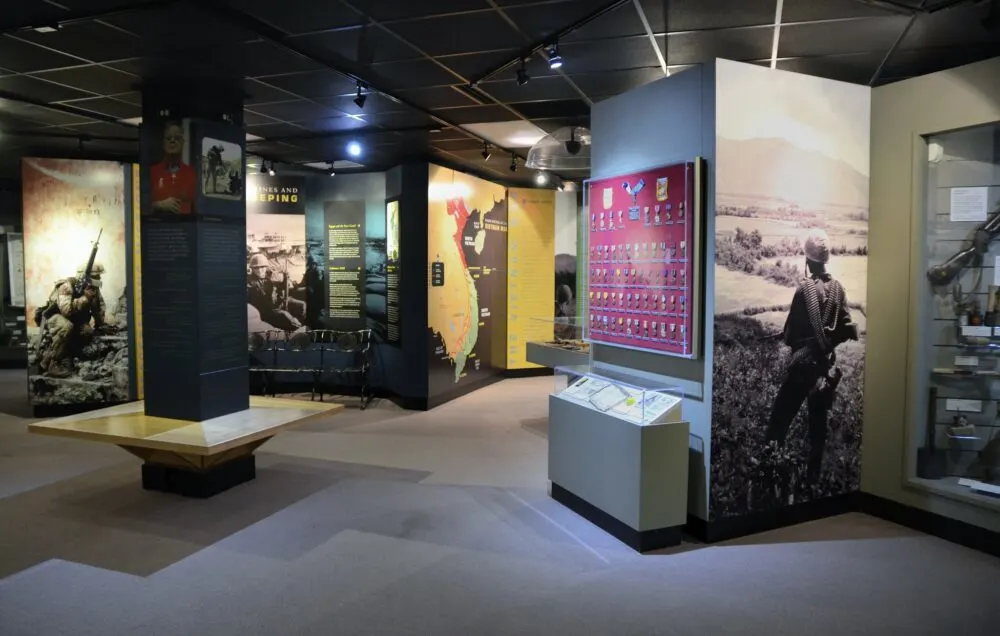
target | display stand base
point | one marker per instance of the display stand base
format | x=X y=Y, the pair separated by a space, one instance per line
x=640 y=541
x=198 y=484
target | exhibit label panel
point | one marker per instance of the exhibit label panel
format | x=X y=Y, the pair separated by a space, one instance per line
x=345 y=263
x=642 y=260
x=530 y=287
x=467 y=295
x=392 y=275
x=76 y=275
x=791 y=272
x=276 y=255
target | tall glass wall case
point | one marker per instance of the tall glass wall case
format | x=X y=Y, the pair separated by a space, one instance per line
x=954 y=433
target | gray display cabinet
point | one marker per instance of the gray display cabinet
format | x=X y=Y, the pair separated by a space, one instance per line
x=563 y=344
x=954 y=434
x=618 y=454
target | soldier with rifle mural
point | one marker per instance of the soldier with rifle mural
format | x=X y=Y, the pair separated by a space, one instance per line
x=74 y=310
x=818 y=322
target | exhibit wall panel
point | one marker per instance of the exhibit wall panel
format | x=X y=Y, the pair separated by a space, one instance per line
x=78 y=350
x=792 y=171
x=530 y=287
x=568 y=305
x=467 y=291
x=666 y=122
x=903 y=113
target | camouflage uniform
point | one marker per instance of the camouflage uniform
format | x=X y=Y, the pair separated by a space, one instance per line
x=68 y=324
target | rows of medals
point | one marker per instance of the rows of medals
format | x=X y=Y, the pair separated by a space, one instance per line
x=639 y=252
x=673 y=306
x=661 y=215
x=639 y=328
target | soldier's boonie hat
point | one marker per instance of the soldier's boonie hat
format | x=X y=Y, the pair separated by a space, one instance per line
x=817 y=246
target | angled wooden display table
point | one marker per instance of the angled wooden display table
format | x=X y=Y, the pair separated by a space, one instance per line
x=194 y=459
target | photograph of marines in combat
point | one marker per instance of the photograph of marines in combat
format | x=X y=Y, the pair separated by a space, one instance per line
x=276 y=298
x=80 y=353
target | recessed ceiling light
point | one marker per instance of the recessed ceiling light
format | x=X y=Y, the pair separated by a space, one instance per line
x=541 y=178
x=354 y=149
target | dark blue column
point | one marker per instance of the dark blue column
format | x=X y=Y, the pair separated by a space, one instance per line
x=193 y=228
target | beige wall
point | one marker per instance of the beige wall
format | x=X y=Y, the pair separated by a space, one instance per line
x=901 y=113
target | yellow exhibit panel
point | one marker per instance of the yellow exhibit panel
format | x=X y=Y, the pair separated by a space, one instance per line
x=530 y=262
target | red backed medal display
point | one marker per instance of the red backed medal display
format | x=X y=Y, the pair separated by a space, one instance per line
x=641 y=260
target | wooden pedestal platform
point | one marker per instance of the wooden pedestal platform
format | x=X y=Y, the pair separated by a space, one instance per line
x=193 y=459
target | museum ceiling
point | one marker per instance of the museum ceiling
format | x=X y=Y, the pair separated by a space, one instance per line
x=439 y=76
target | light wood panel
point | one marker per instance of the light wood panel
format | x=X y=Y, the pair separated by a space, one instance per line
x=127 y=425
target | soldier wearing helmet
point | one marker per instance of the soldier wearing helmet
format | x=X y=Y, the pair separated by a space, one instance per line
x=818 y=322
x=263 y=295
x=70 y=321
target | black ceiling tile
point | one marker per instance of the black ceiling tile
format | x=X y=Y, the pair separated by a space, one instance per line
x=133 y=65
x=909 y=63
x=40 y=115
x=278 y=129
x=383 y=10
x=456 y=145
x=312 y=84
x=251 y=118
x=603 y=55
x=460 y=33
x=623 y=21
x=875 y=34
x=182 y=26
x=474 y=64
x=258 y=92
x=857 y=69
x=334 y=124
x=597 y=85
x=374 y=103
x=131 y=97
x=804 y=10
x=90 y=40
x=261 y=57
x=105 y=129
x=24 y=57
x=539 y=88
x=94 y=79
x=37 y=89
x=553 y=124
x=362 y=45
x=437 y=97
x=539 y=21
x=958 y=26
x=476 y=114
x=560 y=108
x=295 y=110
x=689 y=15
x=300 y=16
x=699 y=48
x=109 y=107
x=413 y=74
x=402 y=119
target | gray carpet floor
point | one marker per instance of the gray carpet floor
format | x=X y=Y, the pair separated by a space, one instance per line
x=391 y=522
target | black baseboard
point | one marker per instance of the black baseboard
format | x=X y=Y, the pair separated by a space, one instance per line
x=535 y=372
x=640 y=541
x=447 y=396
x=199 y=484
x=62 y=410
x=959 y=532
x=733 y=527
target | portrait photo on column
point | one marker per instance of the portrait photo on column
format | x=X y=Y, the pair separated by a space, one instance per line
x=791 y=263
x=222 y=169
x=173 y=181
x=76 y=296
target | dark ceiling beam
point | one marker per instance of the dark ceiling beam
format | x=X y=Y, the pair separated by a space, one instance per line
x=75 y=17
x=65 y=109
x=537 y=46
x=336 y=63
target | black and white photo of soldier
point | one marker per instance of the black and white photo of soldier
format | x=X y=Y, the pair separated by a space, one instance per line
x=275 y=301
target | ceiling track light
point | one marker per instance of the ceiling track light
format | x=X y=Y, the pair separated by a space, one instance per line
x=513 y=162
x=263 y=167
x=361 y=97
x=486 y=152
x=522 y=74
x=555 y=60
x=271 y=170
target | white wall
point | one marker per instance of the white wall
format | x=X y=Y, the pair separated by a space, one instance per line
x=665 y=122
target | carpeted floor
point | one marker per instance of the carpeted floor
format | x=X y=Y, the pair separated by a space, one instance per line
x=391 y=522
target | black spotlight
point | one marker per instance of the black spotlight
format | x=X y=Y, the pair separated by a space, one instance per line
x=271 y=171
x=486 y=152
x=573 y=146
x=555 y=60
x=513 y=163
x=361 y=97
x=263 y=167
x=522 y=75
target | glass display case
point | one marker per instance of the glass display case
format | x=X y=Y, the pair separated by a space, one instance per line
x=563 y=333
x=956 y=428
x=620 y=394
